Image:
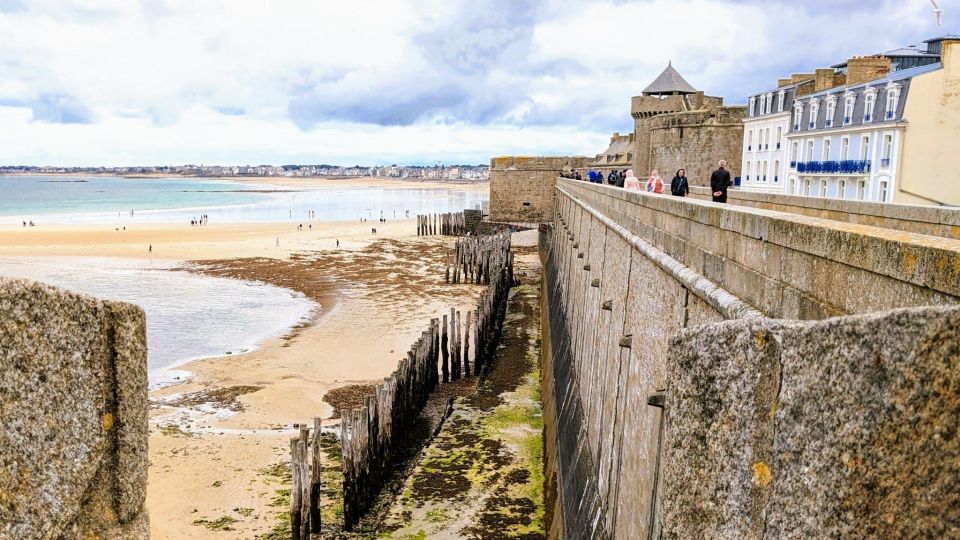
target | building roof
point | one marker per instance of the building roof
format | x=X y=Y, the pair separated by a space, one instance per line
x=669 y=82
x=942 y=38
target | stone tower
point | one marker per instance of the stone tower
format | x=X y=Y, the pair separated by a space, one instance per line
x=677 y=126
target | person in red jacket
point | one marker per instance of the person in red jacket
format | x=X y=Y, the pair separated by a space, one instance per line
x=655 y=183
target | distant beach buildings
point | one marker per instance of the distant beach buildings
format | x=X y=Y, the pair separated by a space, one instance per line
x=880 y=128
x=433 y=172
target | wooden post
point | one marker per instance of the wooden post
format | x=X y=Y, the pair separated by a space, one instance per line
x=444 y=352
x=466 y=346
x=315 y=486
x=295 y=491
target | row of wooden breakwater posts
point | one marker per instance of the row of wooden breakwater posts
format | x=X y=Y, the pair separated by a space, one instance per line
x=450 y=224
x=368 y=435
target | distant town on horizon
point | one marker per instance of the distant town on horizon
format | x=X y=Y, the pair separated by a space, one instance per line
x=440 y=171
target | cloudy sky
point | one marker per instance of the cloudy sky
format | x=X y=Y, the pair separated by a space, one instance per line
x=122 y=82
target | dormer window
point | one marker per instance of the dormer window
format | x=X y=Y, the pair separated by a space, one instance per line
x=782 y=98
x=848 y=103
x=831 y=111
x=769 y=103
x=753 y=103
x=893 y=99
x=814 y=109
x=763 y=103
x=869 y=102
x=797 y=116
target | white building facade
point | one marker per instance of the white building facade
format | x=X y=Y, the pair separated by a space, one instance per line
x=845 y=142
x=765 y=131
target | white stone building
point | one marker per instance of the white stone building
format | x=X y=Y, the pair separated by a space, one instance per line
x=764 y=140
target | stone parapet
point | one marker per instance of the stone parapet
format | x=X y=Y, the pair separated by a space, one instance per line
x=943 y=221
x=785 y=265
x=828 y=429
x=73 y=415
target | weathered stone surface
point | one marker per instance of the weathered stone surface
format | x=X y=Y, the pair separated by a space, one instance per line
x=845 y=428
x=73 y=425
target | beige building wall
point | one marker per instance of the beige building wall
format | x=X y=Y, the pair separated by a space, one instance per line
x=930 y=159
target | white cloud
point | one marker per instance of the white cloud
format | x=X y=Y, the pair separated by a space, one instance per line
x=242 y=81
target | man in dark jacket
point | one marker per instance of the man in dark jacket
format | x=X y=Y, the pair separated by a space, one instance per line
x=719 y=182
x=679 y=187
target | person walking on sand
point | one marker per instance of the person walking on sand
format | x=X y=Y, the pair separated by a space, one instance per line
x=631 y=182
x=655 y=183
x=720 y=182
x=338 y=242
x=278 y=241
x=150 y=249
x=679 y=186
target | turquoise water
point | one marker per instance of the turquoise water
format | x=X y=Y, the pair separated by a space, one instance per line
x=63 y=199
x=188 y=316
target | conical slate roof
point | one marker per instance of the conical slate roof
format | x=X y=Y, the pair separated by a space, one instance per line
x=669 y=82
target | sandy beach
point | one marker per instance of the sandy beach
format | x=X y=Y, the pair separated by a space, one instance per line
x=219 y=441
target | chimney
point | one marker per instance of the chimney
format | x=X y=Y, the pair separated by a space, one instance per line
x=824 y=79
x=800 y=77
x=950 y=54
x=784 y=82
x=861 y=69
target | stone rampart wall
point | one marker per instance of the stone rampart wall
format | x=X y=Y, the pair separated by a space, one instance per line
x=521 y=188
x=627 y=272
x=73 y=415
x=933 y=220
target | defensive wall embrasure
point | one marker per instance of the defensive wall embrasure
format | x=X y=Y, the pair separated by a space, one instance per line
x=943 y=221
x=73 y=415
x=661 y=417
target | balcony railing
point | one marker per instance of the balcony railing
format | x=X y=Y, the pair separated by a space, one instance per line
x=835 y=167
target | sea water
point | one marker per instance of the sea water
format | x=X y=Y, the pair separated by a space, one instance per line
x=74 y=199
x=189 y=316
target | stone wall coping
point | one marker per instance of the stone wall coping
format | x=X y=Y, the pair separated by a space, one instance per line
x=928 y=261
x=938 y=215
x=722 y=300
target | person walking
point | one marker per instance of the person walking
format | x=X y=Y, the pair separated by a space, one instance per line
x=720 y=182
x=631 y=182
x=679 y=186
x=655 y=183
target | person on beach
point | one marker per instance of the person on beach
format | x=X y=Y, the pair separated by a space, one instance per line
x=150 y=249
x=631 y=182
x=278 y=241
x=338 y=242
x=655 y=183
x=679 y=186
x=720 y=182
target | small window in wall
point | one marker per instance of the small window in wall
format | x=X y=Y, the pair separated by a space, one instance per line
x=806 y=188
x=865 y=148
x=749 y=169
x=842 y=189
x=526 y=204
x=844 y=148
x=826 y=149
x=779 y=136
x=749 y=140
x=883 y=191
x=823 y=187
x=776 y=171
x=766 y=144
x=795 y=152
x=809 y=150
x=862 y=189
